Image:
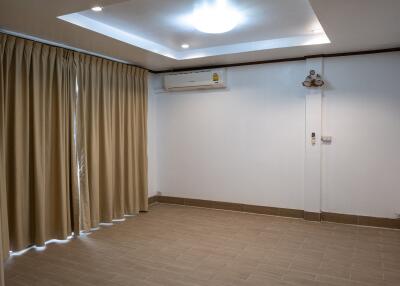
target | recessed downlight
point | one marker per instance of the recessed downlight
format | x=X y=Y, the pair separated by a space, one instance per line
x=317 y=30
x=185 y=46
x=97 y=8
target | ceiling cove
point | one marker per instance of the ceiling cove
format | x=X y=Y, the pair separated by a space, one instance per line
x=167 y=27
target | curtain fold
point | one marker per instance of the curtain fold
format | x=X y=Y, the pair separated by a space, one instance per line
x=1 y=260
x=70 y=89
x=35 y=148
x=111 y=139
x=4 y=241
x=3 y=203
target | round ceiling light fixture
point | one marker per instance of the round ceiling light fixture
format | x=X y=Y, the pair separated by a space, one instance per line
x=216 y=17
x=185 y=46
x=97 y=8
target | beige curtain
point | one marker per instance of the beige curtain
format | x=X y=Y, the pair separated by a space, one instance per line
x=72 y=142
x=111 y=139
x=35 y=148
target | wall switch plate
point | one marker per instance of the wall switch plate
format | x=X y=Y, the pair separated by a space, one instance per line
x=313 y=140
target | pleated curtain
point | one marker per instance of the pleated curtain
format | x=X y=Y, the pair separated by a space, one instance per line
x=112 y=140
x=35 y=132
x=72 y=142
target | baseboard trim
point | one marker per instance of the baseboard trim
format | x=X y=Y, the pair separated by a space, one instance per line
x=284 y=212
x=311 y=216
x=232 y=206
x=152 y=200
x=361 y=220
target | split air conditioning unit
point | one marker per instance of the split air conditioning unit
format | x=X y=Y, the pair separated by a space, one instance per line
x=204 y=79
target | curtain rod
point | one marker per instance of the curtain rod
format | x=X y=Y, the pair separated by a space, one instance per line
x=59 y=45
x=51 y=43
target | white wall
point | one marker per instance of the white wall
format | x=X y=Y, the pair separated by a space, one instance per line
x=244 y=144
x=247 y=143
x=361 y=168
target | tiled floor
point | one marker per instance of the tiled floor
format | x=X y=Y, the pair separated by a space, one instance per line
x=180 y=245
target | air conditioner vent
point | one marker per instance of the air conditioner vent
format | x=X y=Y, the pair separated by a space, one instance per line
x=204 y=79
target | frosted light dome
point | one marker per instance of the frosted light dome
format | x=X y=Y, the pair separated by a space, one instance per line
x=216 y=18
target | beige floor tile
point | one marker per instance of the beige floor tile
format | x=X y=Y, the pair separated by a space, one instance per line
x=180 y=245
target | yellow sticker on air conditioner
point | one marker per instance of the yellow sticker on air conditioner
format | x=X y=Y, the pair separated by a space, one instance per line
x=215 y=77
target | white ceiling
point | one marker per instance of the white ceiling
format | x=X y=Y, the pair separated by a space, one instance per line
x=351 y=25
x=163 y=26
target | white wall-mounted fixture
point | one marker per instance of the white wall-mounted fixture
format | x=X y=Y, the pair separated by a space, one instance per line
x=313 y=80
x=326 y=139
x=204 y=79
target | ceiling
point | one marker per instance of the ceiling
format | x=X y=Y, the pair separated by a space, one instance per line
x=281 y=25
x=261 y=28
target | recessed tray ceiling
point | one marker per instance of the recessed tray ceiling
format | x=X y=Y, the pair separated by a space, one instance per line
x=161 y=27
